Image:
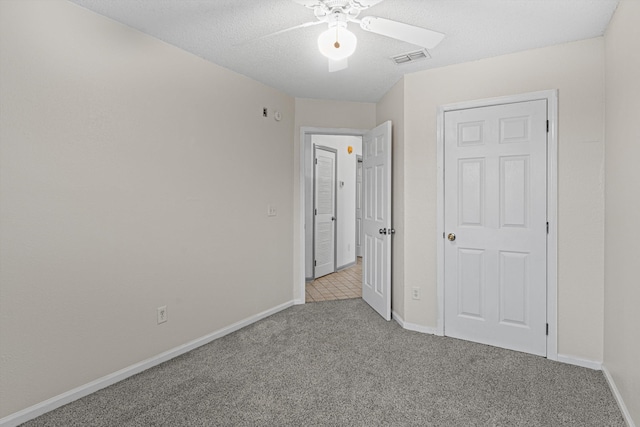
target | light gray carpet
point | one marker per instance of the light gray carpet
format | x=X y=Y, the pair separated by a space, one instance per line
x=340 y=364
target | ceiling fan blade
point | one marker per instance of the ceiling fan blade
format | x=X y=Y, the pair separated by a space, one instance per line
x=306 y=24
x=309 y=3
x=338 y=65
x=360 y=4
x=405 y=32
x=365 y=4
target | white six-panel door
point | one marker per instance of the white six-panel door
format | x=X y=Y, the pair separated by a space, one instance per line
x=324 y=199
x=376 y=219
x=496 y=225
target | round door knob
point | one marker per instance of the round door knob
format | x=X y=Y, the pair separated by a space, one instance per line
x=451 y=237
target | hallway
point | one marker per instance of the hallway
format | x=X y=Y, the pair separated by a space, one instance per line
x=344 y=284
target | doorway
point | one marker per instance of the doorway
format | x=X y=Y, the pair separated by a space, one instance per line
x=336 y=270
x=331 y=204
x=497 y=191
x=376 y=215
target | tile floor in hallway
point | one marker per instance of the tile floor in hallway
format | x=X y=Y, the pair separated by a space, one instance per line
x=344 y=284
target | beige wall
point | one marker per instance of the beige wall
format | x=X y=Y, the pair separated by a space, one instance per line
x=132 y=175
x=391 y=107
x=622 y=242
x=322 y=114
x=577 y=70
x=127 y=181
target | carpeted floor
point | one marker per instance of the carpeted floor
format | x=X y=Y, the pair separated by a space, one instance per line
x=338 y=363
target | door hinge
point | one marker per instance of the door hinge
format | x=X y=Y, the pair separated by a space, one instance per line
x=315 y=263
x=547 y=227
x=443 y=234
x=315 y=211
x=547 y=329
x=317 y=159
x=547 y=126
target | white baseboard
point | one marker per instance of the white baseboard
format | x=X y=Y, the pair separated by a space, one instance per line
x=412 y=326
x=571 y=360
x=591 y=364
x=616 y=393
x=347 y=265
x=85 y=390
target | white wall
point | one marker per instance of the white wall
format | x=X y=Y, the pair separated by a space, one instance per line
x=577 y=70
x=321 y=114
x=345 y=195
x=391 y=107
x=622 y=241
x=128 y=181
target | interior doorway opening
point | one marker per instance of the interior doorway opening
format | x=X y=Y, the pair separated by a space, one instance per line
x=348 y=147
x=330 y=205
x=377 y=228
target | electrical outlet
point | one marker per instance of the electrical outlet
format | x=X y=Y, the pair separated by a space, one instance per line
x=162 y=314
x=415 y=293
x=272 y=210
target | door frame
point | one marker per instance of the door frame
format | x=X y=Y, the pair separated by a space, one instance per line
x=551 y=96
x=306 y=152
x=335 y=207
x=358 y=160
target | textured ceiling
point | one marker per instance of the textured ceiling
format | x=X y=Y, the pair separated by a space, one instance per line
x=225 y=32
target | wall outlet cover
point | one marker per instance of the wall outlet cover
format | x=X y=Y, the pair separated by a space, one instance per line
x=162 y=314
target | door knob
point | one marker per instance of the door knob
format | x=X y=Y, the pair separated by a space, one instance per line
x=451 y=237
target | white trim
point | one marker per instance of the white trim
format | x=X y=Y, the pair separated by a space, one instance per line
x=85 y=390
x=440 y=220
x=551 y=96
x=347 y=265
x=616 y=393
x=585 y=363
x=305 y=145
x=412 y=326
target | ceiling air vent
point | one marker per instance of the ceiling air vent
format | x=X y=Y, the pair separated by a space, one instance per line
x=406 y=58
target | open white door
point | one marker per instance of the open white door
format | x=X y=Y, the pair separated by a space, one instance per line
x=324 y=201
x=376 y=219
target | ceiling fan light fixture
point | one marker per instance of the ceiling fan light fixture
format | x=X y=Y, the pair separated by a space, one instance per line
x=337 y=42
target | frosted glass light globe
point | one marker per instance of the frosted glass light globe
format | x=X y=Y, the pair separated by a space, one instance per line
x=337 y=43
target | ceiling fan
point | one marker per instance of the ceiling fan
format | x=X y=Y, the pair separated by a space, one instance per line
x=338 y=43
